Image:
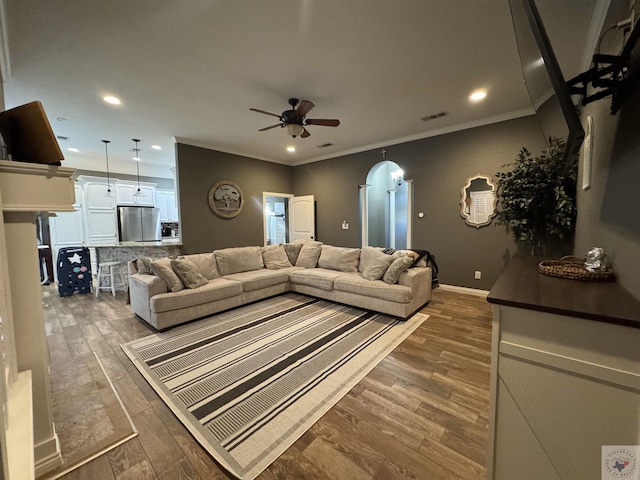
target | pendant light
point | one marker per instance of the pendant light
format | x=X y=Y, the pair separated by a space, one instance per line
x=106 y=155
x=136 y=150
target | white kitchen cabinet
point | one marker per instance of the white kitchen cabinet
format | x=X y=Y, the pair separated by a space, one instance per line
x=67 y=228
x=100 y=216
x=126 y=194
x=166 y=202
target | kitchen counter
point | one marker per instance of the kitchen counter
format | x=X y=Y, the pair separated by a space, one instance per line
x=125 y=251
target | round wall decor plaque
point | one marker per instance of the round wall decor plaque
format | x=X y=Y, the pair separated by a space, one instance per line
x=226 y=199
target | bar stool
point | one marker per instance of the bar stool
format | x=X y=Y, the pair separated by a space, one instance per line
x=109 y=271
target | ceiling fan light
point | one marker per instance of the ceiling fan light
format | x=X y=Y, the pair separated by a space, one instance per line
x=295 y=129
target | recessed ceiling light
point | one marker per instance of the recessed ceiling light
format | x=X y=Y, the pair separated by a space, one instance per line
x=478 y=95
x=73 y=149
x=291 y=149
x=156 y=147
x=111 y=100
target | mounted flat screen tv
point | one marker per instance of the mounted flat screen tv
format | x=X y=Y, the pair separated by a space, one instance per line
x=28 y=135
x=543 y=78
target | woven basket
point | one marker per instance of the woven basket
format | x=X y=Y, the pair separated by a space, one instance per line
x=573 y=268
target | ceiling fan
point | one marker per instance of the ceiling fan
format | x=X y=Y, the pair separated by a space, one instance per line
x=295 y=120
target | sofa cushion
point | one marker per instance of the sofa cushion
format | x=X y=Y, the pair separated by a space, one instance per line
x=259 y=279
x=188 y=273
x=315 y=277
x=238 y=259
x=339 y=258
x=275 y=257
x=354 y=283
x=292 y=249
x=162 y=268
x=206 y=264
x=376 y=264
x=216 y=289
x=309 y=254
x=398 y=266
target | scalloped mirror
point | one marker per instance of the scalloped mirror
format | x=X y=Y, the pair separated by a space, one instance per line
x=478 y=201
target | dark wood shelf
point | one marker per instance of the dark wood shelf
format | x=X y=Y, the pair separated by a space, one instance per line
x=522 y=286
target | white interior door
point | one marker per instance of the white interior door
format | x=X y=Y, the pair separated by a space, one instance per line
x=302 y=221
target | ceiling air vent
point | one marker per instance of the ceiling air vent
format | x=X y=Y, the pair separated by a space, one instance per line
x=62 y=138
x=434 y=116
x=325 y=145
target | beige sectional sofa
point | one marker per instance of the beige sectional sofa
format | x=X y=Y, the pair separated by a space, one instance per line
x=228 y=278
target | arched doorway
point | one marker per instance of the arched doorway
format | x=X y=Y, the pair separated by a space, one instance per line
x=386 y=206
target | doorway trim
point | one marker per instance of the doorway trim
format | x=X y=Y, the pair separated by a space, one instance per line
x=363 y=191
x=264 y=211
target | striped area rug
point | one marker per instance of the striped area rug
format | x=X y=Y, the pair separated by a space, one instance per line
x=249 y=382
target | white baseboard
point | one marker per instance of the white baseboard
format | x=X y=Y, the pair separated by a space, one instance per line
x=466 y=290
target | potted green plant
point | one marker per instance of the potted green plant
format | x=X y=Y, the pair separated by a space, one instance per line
x=537 y=199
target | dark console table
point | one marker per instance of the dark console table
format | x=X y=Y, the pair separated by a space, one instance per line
x=565 y=374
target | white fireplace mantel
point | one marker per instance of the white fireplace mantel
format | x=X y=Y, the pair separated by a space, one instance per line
x=27 y=189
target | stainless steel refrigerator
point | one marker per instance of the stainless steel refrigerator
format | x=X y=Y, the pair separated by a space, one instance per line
x=139 y=224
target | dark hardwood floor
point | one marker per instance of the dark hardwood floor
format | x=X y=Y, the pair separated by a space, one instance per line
x=422 y=413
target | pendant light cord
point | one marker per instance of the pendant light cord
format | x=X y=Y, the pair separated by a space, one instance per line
x=106 y=154
x=137 y=152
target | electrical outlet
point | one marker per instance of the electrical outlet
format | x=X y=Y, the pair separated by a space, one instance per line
x=345 y=225
x=478 y=275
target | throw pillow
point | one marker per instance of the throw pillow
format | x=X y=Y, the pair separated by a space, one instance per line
x=188 y=273
x=162 y=268
x=293 y=250
x=364 y=255
x=399 y=265
x=144 y=266
x=339 y=258
x=206 y=264
x=308 y=256
x=275 y=257
x=376 y=266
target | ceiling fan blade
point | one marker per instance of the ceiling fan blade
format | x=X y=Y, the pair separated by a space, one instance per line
x=304 y=107
x=321 y=121
x=269 y=128
x=305 y=134
x=262 y=111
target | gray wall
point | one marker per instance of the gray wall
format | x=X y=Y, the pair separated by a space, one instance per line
x=199 y=169
x=439 y=167
x=608 y=212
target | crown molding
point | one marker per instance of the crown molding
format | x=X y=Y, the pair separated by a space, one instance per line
x=431 y=133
